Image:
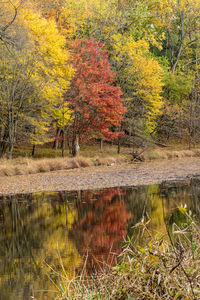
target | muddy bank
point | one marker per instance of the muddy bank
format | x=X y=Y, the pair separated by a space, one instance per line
x=103 y=176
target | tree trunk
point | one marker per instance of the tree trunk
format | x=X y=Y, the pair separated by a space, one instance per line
x=101 y=144
x=33 y=150
x=63 y=143
x=68 y=143
x=10 y=150
x=4 y=143
x=181 y=41
x=56 y=141
x=119 y=146
x=75 y=146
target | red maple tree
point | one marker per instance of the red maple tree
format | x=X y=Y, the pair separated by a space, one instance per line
x=93 y=97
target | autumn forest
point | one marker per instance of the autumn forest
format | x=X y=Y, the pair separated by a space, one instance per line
x=76 y=71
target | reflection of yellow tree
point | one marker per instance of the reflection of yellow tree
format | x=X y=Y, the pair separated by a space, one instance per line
x=159 y=208
x=32 y=233
x=156 y=208
x=166 y=203
x=103 y=224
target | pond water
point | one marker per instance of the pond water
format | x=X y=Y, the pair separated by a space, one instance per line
x=44 y=234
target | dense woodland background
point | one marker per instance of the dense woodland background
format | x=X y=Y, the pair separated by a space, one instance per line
x=79 y=71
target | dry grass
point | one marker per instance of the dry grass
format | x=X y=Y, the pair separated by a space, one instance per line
x=165 y=267
x=170 y=154
x=108 y=160
x=90 y=156
x=25 y=166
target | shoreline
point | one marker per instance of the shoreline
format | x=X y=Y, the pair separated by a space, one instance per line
x=133 y=174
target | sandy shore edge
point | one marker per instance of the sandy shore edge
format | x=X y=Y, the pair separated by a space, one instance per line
x=103 y=176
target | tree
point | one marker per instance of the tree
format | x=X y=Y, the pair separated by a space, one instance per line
x=16 y=89
x=93 y=98
x=180 y=117
x=63 y=117
x=124 y=28
x=33 y=70
x=182 y=30
x=140 y=77
x=8 y=15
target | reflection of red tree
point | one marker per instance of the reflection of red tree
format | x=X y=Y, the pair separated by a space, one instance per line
x=101 y=229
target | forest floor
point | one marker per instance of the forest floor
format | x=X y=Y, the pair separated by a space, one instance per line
x=125 y=174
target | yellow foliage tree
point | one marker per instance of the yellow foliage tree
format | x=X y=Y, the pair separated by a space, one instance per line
x=143 y=75
x=39 y=62
x=52 y=57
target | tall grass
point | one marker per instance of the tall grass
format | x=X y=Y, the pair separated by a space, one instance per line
x=165 y=266
x=170 y=154
x=24 y=166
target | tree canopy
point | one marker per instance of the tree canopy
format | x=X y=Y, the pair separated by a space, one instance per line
x=97 y=68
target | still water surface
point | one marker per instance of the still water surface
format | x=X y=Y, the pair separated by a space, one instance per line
x=45 y=233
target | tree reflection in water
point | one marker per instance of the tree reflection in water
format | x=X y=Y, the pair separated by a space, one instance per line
x=101 y=226
x=61 y=229
x=33 y=230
